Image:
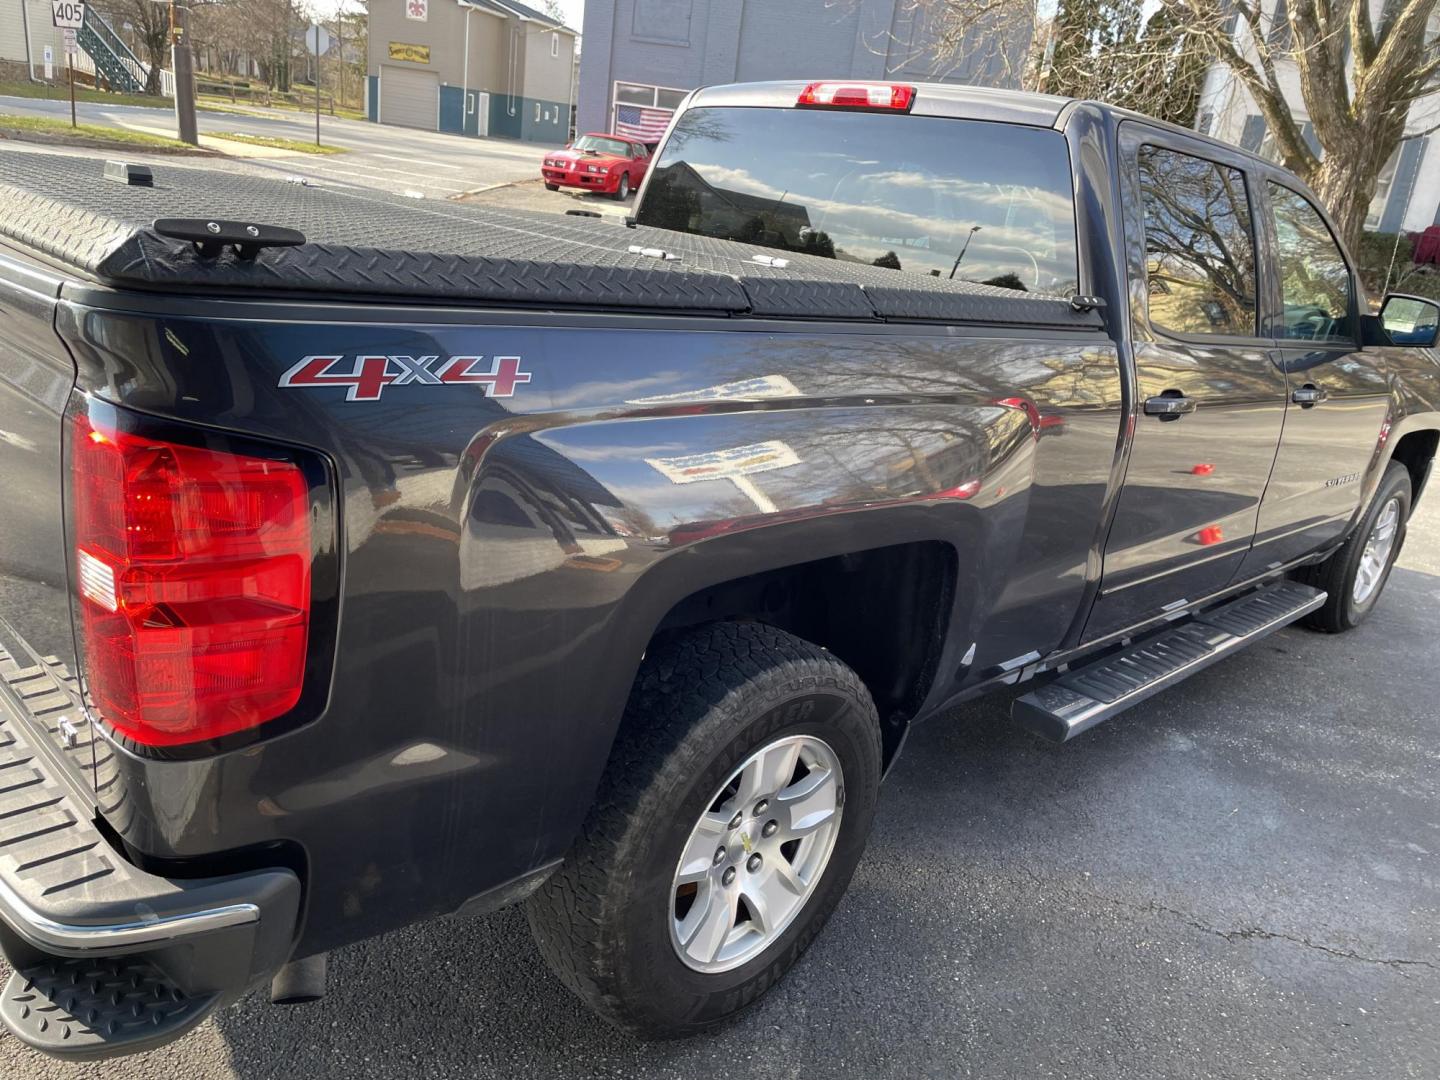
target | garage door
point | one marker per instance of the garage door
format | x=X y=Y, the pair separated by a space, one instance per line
x=409 y=98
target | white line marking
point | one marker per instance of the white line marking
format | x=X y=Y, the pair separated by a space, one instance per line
x=418 y=161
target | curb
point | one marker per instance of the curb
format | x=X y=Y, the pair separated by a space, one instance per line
x=486 y=187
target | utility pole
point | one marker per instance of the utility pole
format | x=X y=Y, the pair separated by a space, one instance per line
x=183 y=64
x=964 y=248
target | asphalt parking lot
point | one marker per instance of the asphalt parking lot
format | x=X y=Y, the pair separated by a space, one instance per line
x=1239 y=878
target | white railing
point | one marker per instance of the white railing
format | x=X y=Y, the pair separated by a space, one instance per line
x=138 y=70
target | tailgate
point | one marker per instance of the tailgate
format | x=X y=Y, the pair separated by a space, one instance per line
x=37 y=648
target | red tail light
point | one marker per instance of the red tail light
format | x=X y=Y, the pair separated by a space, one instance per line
x=193 y=572
x=858 y=96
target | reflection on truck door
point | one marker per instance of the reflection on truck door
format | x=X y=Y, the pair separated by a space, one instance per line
x=1337 y=397
x=1210 y=400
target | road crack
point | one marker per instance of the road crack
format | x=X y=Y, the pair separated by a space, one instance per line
x=1243 y=933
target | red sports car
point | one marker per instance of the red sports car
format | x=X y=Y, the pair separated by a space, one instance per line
x=608 y=163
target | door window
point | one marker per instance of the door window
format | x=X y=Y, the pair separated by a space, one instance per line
x=1314 y=279
x=1199 y=246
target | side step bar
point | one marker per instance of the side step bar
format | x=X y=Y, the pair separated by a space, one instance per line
x=1084 y=697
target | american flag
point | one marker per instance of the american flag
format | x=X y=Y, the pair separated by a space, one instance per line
x=635 y=122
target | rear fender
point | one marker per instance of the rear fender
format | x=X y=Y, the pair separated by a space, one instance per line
x=627 y=519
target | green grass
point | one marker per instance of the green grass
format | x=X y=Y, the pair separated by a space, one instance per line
x=296 y=145
x=214 y=102
x=210 y=102
x=62 y=93
x=49 y=125
x=222 y=103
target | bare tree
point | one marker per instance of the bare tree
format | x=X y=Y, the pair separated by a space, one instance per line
x=1358 y=114
x=150 y=23
x=934 y=36
x=1108 y=50
x=1358 y=71
x=262 y=31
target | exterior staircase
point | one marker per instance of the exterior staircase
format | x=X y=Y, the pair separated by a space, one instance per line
x=112 y=57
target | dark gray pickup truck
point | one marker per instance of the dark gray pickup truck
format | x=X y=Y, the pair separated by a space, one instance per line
x=364 y=559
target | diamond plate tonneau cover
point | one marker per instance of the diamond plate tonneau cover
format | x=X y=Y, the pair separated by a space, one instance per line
x=368 y=243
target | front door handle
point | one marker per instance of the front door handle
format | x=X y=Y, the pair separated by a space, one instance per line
x=1171 y=405
x=1309 y=395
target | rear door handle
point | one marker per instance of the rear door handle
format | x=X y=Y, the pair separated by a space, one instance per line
x=1171 y=405
x=1309 y=395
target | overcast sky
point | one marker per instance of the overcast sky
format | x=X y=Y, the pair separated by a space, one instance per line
x=574 y=12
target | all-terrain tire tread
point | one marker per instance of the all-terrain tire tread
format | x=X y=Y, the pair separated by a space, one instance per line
x=678 y=683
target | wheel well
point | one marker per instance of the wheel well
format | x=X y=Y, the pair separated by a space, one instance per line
x=882 y=611
x=1416 y=451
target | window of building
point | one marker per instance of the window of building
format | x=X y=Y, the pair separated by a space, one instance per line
x=1253 y=134
x=1383 y=183
x=1199 y=244
x=954 y=199
x=664 y=21
x=643 y=112
x=1314 y=278
x=554 y=45
x=634 y=94
x=1268 y=148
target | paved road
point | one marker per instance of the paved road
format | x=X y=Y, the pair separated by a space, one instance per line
x=1239 y=878
x=382 y=156
x=530 y=194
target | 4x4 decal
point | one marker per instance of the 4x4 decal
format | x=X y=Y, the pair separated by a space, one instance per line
x=368 y=376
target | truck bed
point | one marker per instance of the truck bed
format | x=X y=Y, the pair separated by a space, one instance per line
x=368 y=244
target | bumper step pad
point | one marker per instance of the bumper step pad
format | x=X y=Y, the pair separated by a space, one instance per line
x=81 y=1009
x=1087 y=695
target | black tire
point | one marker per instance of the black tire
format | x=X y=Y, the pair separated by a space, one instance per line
x=1337 y=574
x=622 y=189
x=701 y=705
x=551 y=187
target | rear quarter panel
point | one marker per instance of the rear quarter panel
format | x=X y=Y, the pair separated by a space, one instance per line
x=1414 y=376
x=505 y=560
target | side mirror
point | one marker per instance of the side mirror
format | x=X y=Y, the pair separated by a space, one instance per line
x=1410 y=320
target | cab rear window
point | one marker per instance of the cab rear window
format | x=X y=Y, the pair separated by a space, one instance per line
x=963 y=199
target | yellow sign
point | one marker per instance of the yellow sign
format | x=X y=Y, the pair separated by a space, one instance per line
x=415 y=54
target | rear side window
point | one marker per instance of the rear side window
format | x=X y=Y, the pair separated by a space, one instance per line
x=1199 y=246
x=1314 y=280
x=962 y=199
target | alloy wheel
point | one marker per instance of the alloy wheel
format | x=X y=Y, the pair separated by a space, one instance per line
x=757 y=853
x=1376 y=557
